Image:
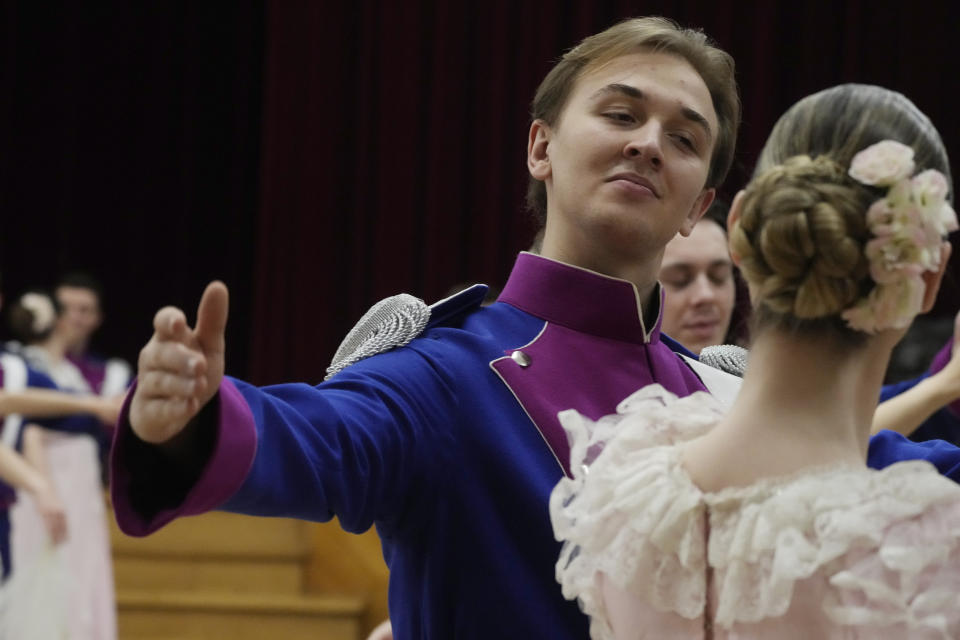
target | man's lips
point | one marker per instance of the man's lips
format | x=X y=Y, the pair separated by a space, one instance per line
x=702 y=327
x=636 y=179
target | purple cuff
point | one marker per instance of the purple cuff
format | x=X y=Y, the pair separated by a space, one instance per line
x=234 y=449
x=939 y=362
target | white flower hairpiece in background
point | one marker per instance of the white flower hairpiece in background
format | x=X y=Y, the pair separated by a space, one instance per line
x=41 y=307
x=908 y=224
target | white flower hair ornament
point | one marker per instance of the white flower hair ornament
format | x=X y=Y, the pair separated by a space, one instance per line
x=42 y=310
x=908 y=224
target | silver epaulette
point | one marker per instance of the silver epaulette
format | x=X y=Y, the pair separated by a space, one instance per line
x=392 y=322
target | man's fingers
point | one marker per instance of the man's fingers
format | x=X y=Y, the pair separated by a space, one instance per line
x=156 y=420
x=156 y=383
x=171 y=324
x=164 y=408
x=212 y=317
x=179 y=367
x=172 y=357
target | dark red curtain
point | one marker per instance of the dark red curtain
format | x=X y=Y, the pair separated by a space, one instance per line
x=395 y=133
x=129 y=148
x=319 y=156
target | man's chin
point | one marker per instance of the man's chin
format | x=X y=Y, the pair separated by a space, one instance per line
x=625 y=231
x=76 y=343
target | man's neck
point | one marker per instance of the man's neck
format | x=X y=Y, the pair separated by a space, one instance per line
x=76 y=350
x=641 y=271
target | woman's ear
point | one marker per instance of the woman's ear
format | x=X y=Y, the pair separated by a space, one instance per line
x=733 y=219
x=933 y=278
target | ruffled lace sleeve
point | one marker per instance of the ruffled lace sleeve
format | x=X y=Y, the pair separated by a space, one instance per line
x=908 y=584
x=633 y=520
x=647 y=418
x=851 y=543
x=836 y=552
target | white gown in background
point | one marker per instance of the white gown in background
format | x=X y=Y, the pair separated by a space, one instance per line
x=88 y=570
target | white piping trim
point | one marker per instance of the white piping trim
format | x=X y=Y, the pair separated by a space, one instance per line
x=510 y=389
x=534 y=339
x=636 y=293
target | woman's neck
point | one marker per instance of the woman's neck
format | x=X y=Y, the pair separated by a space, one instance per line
x=804 y=402
x=55 y=348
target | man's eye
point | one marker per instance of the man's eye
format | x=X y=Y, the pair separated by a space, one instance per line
x=685 y=141
x=721 y=276
x=619 y=116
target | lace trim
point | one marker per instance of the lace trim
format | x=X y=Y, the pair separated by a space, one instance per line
x=631 y=511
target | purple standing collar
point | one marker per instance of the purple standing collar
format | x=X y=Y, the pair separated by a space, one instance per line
x=592 y=352
x=570 y=296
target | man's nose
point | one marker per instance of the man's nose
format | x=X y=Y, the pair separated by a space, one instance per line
x=645 y=144
x=703 y=289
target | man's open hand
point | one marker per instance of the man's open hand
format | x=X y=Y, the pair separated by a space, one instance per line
x=180 y=369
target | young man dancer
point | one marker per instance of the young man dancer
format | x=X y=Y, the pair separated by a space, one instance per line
x=450 y=444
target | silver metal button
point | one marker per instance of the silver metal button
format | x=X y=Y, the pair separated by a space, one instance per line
x=521 y=358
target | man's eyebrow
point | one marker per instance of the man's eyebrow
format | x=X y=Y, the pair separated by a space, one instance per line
x=616 y=87
x=632 y=92
x=697 y=118
x=686 y=264
x=721 y=263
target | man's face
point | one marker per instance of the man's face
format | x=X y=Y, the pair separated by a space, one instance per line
x=80 y=315
x=699 y=292
x=628 y=159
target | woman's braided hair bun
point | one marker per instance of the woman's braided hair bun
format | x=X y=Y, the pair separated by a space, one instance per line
x=801 y=237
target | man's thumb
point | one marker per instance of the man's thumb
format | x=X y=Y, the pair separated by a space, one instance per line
x=212 y=316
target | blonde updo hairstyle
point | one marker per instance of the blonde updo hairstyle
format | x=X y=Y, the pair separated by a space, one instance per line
x=801 y=238
x=802 y=229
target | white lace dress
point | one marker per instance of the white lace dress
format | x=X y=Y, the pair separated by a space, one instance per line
x=842 y=552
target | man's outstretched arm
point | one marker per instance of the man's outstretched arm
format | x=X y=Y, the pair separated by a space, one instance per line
x=365 y=445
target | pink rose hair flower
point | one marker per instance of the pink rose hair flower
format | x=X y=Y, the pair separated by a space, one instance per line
x=908 y=225
x=882 y=164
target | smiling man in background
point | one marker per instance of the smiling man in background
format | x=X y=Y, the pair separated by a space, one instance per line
x=698 y=280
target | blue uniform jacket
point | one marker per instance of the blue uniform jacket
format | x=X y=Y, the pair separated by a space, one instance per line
x=450 y=445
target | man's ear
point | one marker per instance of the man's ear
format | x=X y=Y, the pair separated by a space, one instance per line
x=733 y=219
x=538 y=157
x=933 y=278
x=700 y=206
